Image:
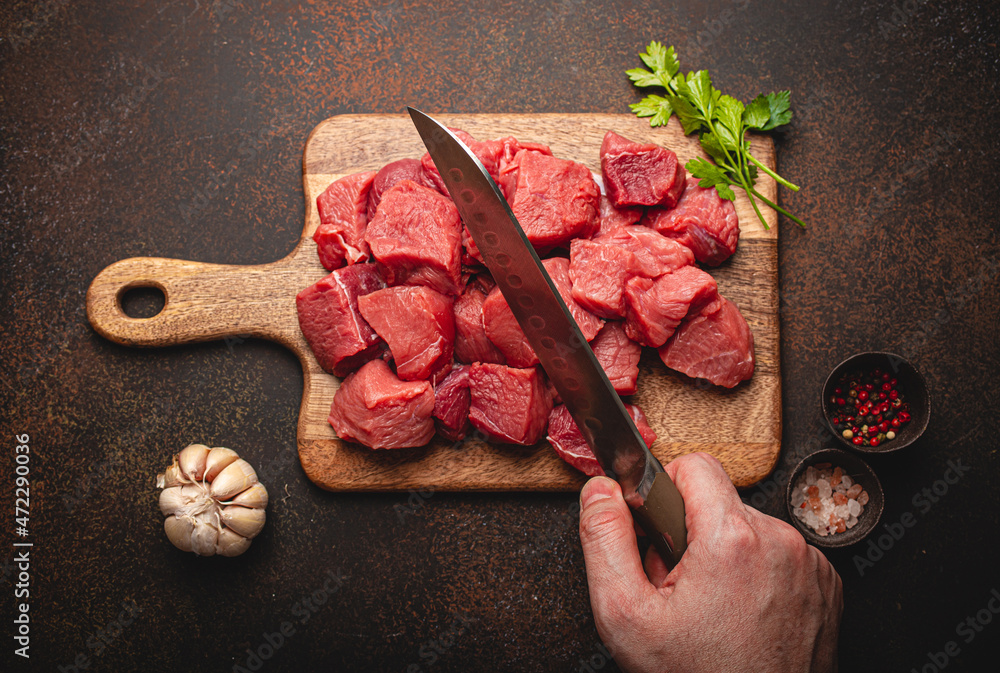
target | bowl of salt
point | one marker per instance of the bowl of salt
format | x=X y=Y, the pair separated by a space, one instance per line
x=834 y=498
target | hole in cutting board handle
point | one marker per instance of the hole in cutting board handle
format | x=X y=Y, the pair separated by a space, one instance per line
x=141 y=301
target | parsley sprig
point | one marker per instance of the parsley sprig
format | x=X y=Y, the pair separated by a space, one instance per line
x=721 y=122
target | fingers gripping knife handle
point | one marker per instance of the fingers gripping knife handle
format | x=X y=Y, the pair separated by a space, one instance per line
x=662 y=517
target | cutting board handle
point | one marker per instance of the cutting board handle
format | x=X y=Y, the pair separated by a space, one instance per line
x=203 y=302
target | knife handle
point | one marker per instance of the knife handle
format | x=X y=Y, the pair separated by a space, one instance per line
x=662 y=517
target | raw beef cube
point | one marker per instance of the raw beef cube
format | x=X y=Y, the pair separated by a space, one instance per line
x=715 y=344
x=703 y=221
x=374 y=407
x=416 y=238
x=510 y=405
x=495 y=154
x=554 y=200
x=503 y=330
x=451 y=404
x=619 y=357
x=611 y=217
x=640 y=175
x=330 y=320
x=598 y=271
x=506 y=334
x=419 y=326
x=656 y=254
x=431 y=170
x=558 y=270
x=391 y=174
x=471 y=255
x=492 y=152
x=471 y=342
x=343 y=216
x=565 y=437
x=656 y=307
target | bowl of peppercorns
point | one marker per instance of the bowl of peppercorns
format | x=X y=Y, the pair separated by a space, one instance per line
x=876 y=402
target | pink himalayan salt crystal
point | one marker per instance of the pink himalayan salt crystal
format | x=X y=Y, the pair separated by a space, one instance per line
x=838 y=475
x=828 y=501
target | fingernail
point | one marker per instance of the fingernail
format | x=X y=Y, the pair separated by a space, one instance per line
x=598 y=488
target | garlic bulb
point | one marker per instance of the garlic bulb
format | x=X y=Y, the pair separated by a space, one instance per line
x=212 y=500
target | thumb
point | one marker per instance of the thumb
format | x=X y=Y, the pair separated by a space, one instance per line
x=614 y=569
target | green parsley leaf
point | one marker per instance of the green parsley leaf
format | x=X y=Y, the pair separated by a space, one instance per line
x=780 y=105
x=711 y=176
x=690 y=118
x=713 y=148
x=730 y=113
x=654 y=106
x=757 y=113
x=662 y=61
x=698 y=87
x=642 y=77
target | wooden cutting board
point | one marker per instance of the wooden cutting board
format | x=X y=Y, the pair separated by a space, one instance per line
x=741 y=427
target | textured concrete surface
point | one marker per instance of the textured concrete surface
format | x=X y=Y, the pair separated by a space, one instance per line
x=175 y=129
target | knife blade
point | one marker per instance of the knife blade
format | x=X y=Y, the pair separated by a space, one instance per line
x=552 y=332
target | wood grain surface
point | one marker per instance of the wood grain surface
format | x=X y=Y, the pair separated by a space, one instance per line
x=741 y=427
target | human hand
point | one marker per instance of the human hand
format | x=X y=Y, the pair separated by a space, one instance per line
x=748 y=595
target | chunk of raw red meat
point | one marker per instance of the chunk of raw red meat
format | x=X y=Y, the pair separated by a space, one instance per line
x=506 y=334
x=390 y=175
x=656 y=307
x=554 y=200
x=509 y=405
x=471 y=255
x=431 y=170
x=619 y=357
x=655 y=254
x=565 y=437
x=338 y=335
x=502 y=329
x=451 y=404
x=343 y=216
x=416 y=238
x=598 y=271
x=471 y=342
x=703 y=221
x=715 y=344
x=375 y=407
x=419 y=326
x=558 y=270
x=493 y=154
x=611 y=217
x=637 y=174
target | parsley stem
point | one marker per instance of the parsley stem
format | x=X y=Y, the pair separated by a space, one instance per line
x=776 y=207
x=729 y=159
x=750 y=192
x=774 y=175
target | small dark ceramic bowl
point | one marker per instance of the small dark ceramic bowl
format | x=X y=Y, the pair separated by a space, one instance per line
x=912 y=386
x=860 y=473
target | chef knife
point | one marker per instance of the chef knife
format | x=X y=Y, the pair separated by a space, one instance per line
x=553 y=334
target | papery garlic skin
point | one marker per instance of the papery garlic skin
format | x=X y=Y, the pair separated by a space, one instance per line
x=212 y=500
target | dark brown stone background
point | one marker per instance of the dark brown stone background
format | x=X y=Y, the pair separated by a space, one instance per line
x=175 y=129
